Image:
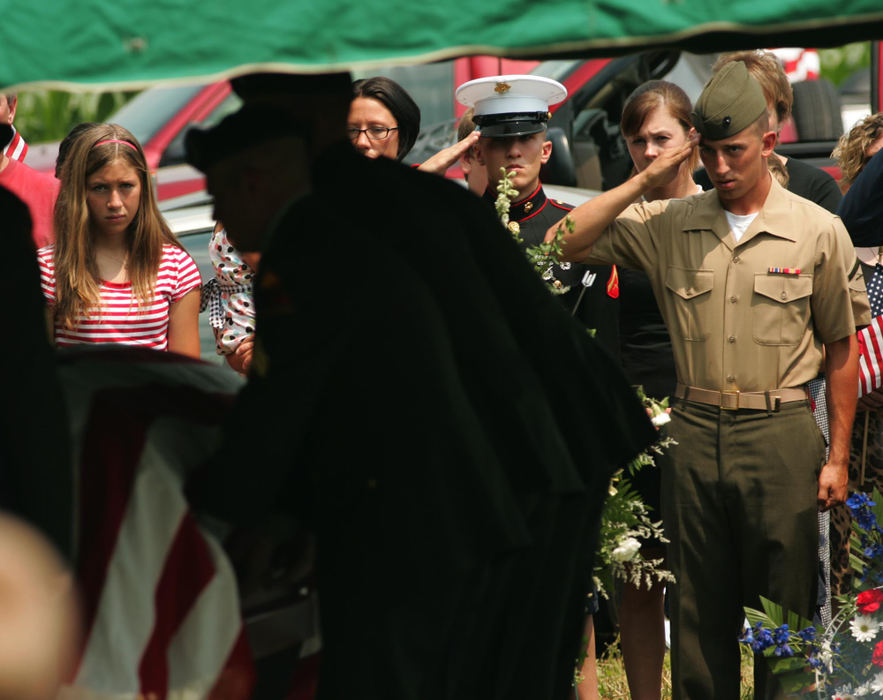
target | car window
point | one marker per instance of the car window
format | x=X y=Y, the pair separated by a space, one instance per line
x=556 y=70
x=175 y=152
x=148 y=112
x=431 y=86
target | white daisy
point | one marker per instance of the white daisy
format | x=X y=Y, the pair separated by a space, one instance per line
x=864 y=628
x=877 y=684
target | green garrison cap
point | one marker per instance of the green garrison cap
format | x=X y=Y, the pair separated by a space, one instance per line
x=730 y=102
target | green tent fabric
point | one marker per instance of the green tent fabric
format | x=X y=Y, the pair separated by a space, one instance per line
x=79 y=43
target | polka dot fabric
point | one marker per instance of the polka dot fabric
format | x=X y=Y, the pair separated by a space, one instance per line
x=875 y=291
x=229 y=296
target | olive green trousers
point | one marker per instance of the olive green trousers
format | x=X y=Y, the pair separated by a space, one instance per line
x=739 y=507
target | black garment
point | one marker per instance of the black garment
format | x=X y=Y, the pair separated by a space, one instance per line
x=645 y=345
x=647 y=360
x=862 y=206
x=594 y=289
x=36 y=481
x=804 y=180
x=412 y=414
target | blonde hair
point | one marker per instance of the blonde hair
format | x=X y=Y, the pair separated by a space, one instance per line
x=465 y=126
x=851 y=148
x=777 y=169
x=767 y=70
x=77 y=282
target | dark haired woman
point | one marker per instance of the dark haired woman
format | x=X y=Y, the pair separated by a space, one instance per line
x=384 y=122
x=116 y=274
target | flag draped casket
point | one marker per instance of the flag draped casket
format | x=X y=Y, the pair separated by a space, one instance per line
x=160 y=603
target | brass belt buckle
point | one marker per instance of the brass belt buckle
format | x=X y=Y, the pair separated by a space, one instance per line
x=729 y=401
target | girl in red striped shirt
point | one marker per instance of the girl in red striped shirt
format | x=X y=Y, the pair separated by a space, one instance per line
x=116 y=273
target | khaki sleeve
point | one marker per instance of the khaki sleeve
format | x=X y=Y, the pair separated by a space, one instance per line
x=839 y=299
x=630 y=241
x=861 y=306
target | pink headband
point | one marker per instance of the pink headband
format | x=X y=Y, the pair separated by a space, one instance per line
x=127 y=143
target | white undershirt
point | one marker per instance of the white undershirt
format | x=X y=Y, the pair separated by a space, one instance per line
x=739 y=223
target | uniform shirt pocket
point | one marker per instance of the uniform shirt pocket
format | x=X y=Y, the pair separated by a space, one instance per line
x=780 y=310
x=690 y=299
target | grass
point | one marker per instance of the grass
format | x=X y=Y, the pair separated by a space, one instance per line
x=612 y=683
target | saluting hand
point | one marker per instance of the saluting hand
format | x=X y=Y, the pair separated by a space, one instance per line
x=445 y=158
x=664 y=167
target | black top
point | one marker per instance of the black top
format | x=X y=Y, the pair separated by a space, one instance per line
x=594 y=289
x=644 y=342
x=804 y=180
x=862 y=206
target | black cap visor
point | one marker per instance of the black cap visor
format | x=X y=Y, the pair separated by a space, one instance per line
x=503 y=125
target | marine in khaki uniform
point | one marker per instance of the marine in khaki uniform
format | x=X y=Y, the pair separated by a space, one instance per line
x=754 y=282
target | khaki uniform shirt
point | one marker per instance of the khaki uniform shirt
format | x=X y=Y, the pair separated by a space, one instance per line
x=737 y=325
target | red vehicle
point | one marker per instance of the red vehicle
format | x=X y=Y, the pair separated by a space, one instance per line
x=589 y=152
x=159 y=118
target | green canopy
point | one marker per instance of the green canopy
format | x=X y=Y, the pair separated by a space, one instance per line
x=132 y=43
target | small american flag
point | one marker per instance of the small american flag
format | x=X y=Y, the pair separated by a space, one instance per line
x=16 y=149
x=870 y=367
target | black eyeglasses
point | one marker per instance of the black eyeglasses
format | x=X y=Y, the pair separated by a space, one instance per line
x=374 y=133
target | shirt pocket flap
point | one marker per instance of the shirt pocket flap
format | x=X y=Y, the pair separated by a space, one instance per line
x=689 y=284
x=782 y=288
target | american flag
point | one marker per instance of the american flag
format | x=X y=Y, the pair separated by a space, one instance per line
x=870 y=367
x=16 y=149
x=161 y=612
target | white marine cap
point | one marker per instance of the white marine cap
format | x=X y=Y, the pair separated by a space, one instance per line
x=511 y=105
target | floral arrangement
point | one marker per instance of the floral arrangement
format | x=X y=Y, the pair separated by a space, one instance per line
x=625 y=521
x=843 y=661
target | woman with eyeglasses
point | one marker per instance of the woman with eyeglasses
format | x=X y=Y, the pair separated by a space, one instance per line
x=384 y=122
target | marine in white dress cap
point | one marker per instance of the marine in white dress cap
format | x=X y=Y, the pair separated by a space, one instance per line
x=511 y=105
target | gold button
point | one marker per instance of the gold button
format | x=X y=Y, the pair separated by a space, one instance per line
x=784 y=295
x=733 y=299
x=735 y=258
x=732 y=339
x=731 y=378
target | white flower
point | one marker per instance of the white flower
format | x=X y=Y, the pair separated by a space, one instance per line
x=626 y=549
x=864 y=628
x=826 y=656
x=660 y=419
x=877 y=684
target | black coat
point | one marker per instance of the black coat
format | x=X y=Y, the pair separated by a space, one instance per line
x=441 y=424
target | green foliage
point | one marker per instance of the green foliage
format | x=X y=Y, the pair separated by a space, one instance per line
x=545 y=256
x=612 y=683
x=792 y=672
x=48 y=115
x=839 y=63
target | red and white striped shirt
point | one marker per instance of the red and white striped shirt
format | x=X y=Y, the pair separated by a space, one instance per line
x=120 y=319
